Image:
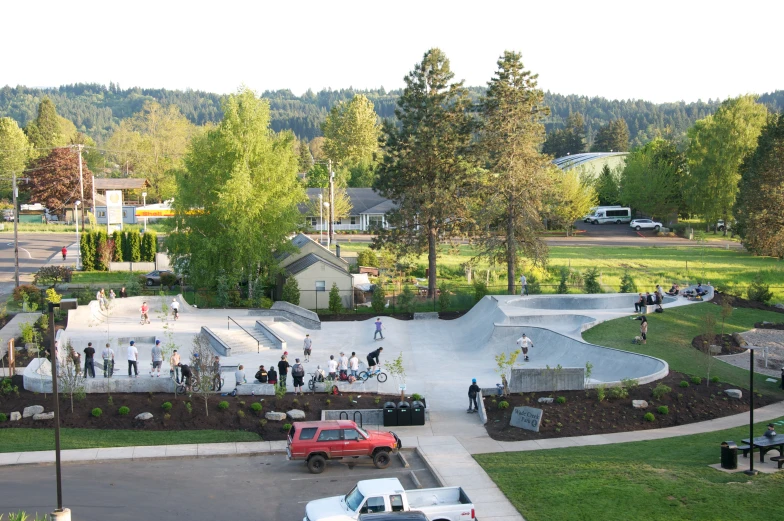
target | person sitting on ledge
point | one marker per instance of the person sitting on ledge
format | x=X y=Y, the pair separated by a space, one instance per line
x=640 y=304
x=272 y=376
x=673 y=290
x=700 y=291
x=261 y=375
x=239 y=375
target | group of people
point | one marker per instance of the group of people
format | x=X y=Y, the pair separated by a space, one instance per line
x=650 y=299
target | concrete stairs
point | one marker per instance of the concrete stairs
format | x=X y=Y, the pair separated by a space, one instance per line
x=241 y=342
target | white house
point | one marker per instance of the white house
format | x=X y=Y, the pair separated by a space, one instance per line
x=368 y=210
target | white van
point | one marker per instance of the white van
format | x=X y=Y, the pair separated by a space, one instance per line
x=615 y=215
x=594 y=209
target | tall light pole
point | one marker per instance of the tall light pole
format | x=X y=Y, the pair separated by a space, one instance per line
x=326 y=204
x=144 y=203
x=16 y=235
x=321 y=220
x=60 y=514
x=78 y=245
x=331 y=205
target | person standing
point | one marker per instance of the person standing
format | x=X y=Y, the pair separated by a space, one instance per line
x=133 y=359
x=298 y=374
x=123 y=292
x=332 y=368
x=283 y=371
x=525 y=343
x=644 y=330
x=379 y=327
x=174 y=366
x=108 y=361
x=372 y=359
x=343 y=366
x=473 y=392
x=308 y=347
x=157 y=358
x=89 y=362
x=217 y=381
x=64 y=251
x=353 y=364
x=523 y=285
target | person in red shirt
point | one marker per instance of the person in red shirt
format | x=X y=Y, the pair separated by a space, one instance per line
x=144 y=309
x=64 y=251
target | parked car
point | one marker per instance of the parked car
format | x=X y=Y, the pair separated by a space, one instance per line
x=645 y=224
x=376 y=496
x=720 y=225
x=154 y=277
x=319 y=441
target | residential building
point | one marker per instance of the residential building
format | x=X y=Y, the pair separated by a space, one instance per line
x=368 y=210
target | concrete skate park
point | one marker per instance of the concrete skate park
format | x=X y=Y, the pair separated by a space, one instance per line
x=440 y=356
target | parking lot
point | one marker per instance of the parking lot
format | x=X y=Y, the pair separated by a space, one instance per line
x=241 y=488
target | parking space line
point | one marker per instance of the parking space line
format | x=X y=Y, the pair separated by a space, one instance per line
x=360 y=476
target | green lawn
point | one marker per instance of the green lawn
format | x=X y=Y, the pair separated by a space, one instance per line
x=660 y=480
x=670 y=335
x=103 y=277
x=70 y=228
x=15 y=440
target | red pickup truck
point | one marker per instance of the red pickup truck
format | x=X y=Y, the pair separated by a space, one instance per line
x=316 y=442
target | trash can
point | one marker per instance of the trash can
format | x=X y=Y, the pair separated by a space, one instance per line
x=417 y=413
x=729 y=455
x=390 y=414
x=403 y=413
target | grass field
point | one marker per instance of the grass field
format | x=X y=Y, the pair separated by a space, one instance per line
x=15 y=440
x=661 y=480
x=102 y=277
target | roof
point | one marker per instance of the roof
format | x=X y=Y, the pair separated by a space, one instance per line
x=379 y=487
x=362 y=199
x=307 y=261
x=120 y=183
x=567 y=162
x=300 y=240
x=327 y=423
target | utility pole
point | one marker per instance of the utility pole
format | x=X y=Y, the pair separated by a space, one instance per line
x=331 y=204
x=16 y=237
x=81 y=181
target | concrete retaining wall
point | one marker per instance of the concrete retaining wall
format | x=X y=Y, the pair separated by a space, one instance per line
x=38 y=376
x=13 y=329
x=277 y=341
x=256 y=388
x=527 y=380
x=427 y=315
x=131 y=266
x=298 y=315
x=217 y=344
x=358 y=387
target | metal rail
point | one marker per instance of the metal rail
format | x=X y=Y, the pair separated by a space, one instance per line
x=228 y=327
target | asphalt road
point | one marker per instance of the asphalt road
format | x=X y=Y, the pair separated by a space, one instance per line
x=35 y=249
x=266 y=488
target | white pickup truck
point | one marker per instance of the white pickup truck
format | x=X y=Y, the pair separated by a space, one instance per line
x=387 y=495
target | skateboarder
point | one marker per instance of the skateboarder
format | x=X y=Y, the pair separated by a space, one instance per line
x=525 y=344
x=473 y=391
x=308 y=347
x=379 y=327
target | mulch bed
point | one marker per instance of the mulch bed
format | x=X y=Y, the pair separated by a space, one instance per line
x=583 y=414
x=770 y=325
x=180 y=418
x=737 y=302
x=729 y=346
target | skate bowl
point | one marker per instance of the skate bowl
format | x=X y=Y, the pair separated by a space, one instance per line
x=573 y=324
x=579 y=302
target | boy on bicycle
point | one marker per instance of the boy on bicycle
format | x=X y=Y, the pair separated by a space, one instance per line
x=144 y=310
x=372 y=360
x=175 y=309
x=185 y=372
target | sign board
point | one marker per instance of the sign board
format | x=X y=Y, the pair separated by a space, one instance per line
x=402 y=387
x=526 y=418
x=114 y=210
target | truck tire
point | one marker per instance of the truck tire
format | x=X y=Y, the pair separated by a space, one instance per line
x=317 y=464
x=381 y=459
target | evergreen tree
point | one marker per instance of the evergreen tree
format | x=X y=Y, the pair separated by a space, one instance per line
x=305 y=159
x=291 y=291
x=425 y=170
x=567 y=141
x=117 y=237
x=761 y=196
x=591 y=281
x=87 y=250
x=563 y=288
x=627 y=283
x=607 y=187
x=45 y=132
x=613 y=137
x=377 y=302
x=335 y=302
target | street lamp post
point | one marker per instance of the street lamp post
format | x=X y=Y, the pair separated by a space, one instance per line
x=750 y=471
x=326 y=204
x=78 y=245
x=144 y=204
x=61 y=514
x=321 y=220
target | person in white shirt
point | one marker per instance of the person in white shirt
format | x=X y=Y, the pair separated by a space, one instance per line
x=353 y=364
x=343 y=365
x=525 y=344
x=108 y=361
x=308 y=347
x=239 y=375
x=332 y=367
x=133 y=358
x=175 y=309
x=523 y=285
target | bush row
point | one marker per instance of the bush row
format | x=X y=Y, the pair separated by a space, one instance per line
x=98 y=249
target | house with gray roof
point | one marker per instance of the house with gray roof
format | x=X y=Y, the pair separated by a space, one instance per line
x=368 y=210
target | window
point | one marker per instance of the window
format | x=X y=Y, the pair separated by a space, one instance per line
x=321 y=285
x=313 y=221
x=396 y=502
x=350 y=434
x=373 y=505
x=101 y=214
x=125 y=214
x=375 y=220
x=308 y=434
x=353 y=220
x=354 y=499
x=329 y=435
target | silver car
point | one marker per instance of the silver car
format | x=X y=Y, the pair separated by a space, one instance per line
x=645 y=224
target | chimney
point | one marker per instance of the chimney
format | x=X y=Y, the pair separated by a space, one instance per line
x=337 y=250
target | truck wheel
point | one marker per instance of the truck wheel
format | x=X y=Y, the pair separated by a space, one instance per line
x=316 y=464
x=381 y=459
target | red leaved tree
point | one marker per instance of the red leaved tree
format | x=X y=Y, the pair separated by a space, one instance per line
x=54 y=180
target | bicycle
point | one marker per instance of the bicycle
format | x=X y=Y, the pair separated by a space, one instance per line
x=176 y=313
x=380 y=376
x=144 y=319
x=317 y=377
x=181 y=388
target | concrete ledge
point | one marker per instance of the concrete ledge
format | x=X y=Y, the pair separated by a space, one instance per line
x=37 y=376
x=256 y=388
x=277 y=341
x=122 y=383
x=369 y=416
x=298 y=315
x=527 y=380
x=370 y=386
x=218 y=345
x=427 y=315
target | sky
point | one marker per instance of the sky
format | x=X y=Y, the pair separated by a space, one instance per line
x=656 y=50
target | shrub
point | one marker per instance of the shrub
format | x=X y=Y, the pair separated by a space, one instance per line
x=134 y=241
x=189 y=407
x=3 y=417
x=627 y=283
x=480 y=290
x=367 y=258
x=87 y=249
x=28 y=332
x=168 y=279
x=591 y=281
x=335 y=302
x=223 y=405
x=265 y=303
x=53 y=275
x=663 y=410
x=166 y=406
x=241 y=403
x=649 y=417
x=503 y=405
x=256 y=407
x=240 y=414
x=696 y=380
x=377 y=301
x=117 y=237
x=445 y=297
x=684 y=384
x=560 y=399
x=377 y=400
x=291 y=291
x=660 y=390
x=286 y=427
x=405 y=301
x=97 y=412
x=32 y=293
x=534 y=288
x=328 y=402
x=601 y=393
x=167 y=416
x=630 y=383
x=618 y=393
x=123 y=411
x=714 y=379
x=149 y=246
x=759 y=291
x=415 y=396
x=562 y=287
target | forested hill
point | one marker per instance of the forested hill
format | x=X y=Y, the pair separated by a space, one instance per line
x=96 y=109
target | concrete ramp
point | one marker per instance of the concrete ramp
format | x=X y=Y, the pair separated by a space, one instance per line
x=571 y=324
x=623 y=301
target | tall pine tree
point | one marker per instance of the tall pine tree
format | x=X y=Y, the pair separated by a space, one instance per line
x=613 y=137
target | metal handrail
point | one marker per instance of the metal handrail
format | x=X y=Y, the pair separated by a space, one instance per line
x=228 y=327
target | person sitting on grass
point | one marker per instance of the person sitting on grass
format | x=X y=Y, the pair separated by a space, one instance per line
x=700 y=291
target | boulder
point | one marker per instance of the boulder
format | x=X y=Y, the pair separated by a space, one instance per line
x=733 y=393
x=296 y=414
x=639 y=404
x=44 y=416
x=715 y=350
x=779 y=305
x=544 y=399
x=740 y=340
x=144 y=416
x=32 y=411
x=16 y=416
x=275 y=416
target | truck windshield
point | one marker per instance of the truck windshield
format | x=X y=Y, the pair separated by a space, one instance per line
x=363 y=432
x=354 y=499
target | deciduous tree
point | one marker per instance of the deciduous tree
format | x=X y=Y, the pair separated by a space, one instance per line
x=653 y=179
x=54 y=180
x=571 y=199
x=351 y=132
x=14 y=151
x=426 y=171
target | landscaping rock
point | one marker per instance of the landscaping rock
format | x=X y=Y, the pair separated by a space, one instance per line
x=44 y=416
x=544 y=399
x=740 y=340
x=779 y=305
x=275 y=416
x=16 y=416
x=639 y=404
x=32 y=411
x=715 y=350
x=733 y=393
x=296 y=414
x=144 y=416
